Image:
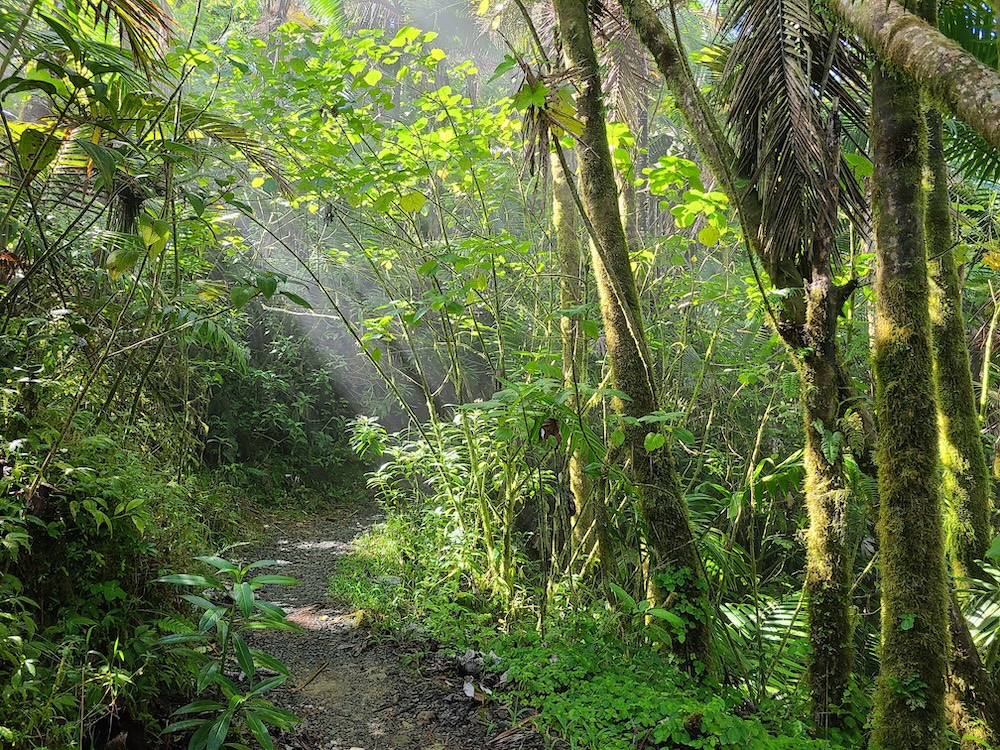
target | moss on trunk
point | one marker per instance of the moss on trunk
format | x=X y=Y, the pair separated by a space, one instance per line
x=909 y=701
x=956 y=79
x=966 y=480
x=568 y=250
x=827 y=582
x=676 y=571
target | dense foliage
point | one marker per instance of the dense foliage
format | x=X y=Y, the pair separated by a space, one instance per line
x=605 y=351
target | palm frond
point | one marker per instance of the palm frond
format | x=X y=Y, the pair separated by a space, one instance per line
x=974 y=26
x=144 y=27
x=969 y=154
x=627 y=82
x=792 y=83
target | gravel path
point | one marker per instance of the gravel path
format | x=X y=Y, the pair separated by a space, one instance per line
x=352 y=692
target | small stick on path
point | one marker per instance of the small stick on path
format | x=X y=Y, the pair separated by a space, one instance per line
x=311 y=677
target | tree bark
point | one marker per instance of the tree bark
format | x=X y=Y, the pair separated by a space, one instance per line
x=954 y=78
x=966 y=480
x=570 y=258
x=909 y=700
x=827 y=583
x=675 y=571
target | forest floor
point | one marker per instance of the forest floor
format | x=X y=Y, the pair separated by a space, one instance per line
x=352 y=690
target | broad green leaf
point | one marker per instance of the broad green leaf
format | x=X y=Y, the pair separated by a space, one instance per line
x=268 y=285
x=667 y=616
x=627 y=602
x=240 y=294
x=269 y=684
x=218 y=562
x=654 y=441
x=406 y=35
x=155 y=234
x=709 y=236
x=180 y=726
x=301 y=301
x=258 y=730
x=104 y=159
x=274 y=579
x=243 y=595
x=206 y=676
x=219 y=731
x=243 y=656
x=187 y=579
x=412 y=202
x=198 y=706
x=36 y=149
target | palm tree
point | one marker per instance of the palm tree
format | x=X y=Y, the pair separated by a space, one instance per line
x=789 y=82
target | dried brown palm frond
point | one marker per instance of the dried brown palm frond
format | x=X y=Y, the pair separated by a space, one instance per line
x=790 y=78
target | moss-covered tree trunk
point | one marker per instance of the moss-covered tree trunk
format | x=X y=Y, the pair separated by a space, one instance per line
x=827 y=583
x=966 y=478
x=909 y=700
x=566 y=229
x=669 y=539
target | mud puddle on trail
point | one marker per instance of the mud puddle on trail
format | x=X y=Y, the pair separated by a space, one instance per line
x=352 y=692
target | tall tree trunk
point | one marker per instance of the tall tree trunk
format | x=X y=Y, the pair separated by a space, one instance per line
x=952 y=76
x=972 y=706
x=966 y=477
x=670 y=542
x=909 y=700
x=565 y=226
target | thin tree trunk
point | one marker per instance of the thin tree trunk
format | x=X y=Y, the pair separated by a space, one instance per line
x=909 y=700
x=953 y=77
x=565 y=225
x=671 y=545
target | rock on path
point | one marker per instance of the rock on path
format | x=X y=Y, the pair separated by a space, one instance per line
x=352 y=692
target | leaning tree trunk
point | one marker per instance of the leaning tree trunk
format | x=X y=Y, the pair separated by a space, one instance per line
x=952 y=76
x=570 y=259
x=909 y=700
x=670 y=542
x=809 y=331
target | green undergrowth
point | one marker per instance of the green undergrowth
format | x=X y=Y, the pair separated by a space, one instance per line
x=81 y=615
x=586 y=667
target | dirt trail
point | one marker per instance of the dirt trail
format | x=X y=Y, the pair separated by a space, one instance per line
x=352 y=692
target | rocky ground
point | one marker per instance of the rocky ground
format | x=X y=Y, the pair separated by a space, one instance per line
x=352 y=691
